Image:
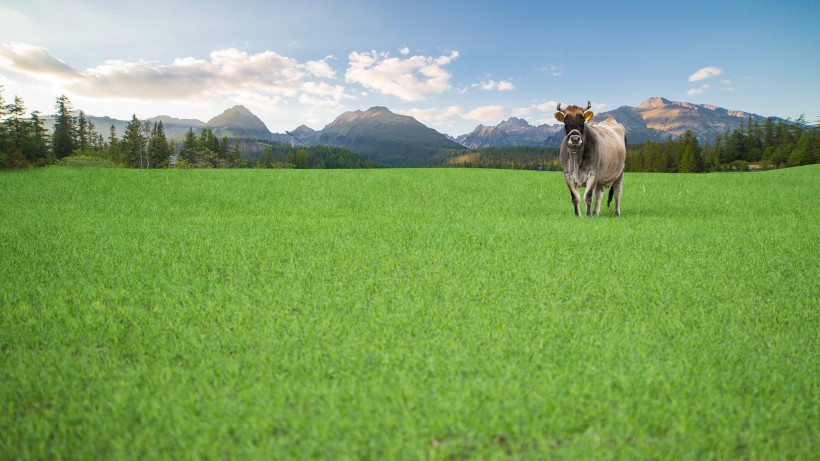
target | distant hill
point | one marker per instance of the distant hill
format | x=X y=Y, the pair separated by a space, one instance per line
x=171 y=121
x=175 y=128
x=656 y=119
x=238 y=122
x=382 y=136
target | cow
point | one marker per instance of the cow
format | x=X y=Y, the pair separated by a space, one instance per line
x=592 y=156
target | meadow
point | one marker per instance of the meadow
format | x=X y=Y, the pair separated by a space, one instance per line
x=407 y=314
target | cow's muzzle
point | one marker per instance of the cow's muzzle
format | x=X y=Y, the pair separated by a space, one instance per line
x=574 y=139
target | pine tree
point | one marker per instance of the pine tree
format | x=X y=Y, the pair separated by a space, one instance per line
x=145 y=135
x=267 y=160
x=224 y=147
x=804 y=153
x=3 y=145
x=133 y=144
x=189 y=147
x=235 y=154
x=38 y=143
x=688 y=164
x=63 y=139
x=114 y=148
x=754 y=140
x=207 y=150
x=17 y=132
x=82 y=133
x=158 y=152
x=299 y=159
x=94 y=141
x=691 y=154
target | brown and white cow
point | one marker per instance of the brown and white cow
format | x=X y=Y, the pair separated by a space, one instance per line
x=592 y=156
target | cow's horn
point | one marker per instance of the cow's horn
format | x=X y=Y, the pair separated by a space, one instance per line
x=559 y=108
x=589 y=104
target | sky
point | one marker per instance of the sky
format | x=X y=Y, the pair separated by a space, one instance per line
x=451 y=65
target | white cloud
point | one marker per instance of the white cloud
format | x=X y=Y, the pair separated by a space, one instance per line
x=521 y=112
x=434 y=116
x=35 y=61
x=504 y=85
x=266 y=76
x=487 y=114
x=408 y=79
x=699 y=90
x=548 y=106
x=268 y=70
x=404 y=51
x=321 y=68
x=705 y=73
x=322 y=94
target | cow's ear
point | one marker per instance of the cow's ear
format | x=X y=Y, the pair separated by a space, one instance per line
x=588 y=115
x=559 y=116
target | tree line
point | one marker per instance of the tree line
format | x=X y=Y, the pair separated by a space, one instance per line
x=24 y=141
x=775 y=143
x=514 y=157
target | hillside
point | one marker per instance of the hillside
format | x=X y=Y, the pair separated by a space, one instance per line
x=382 y=136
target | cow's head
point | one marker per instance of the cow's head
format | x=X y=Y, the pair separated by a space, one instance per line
x=574 y=118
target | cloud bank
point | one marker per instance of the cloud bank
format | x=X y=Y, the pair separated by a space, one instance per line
x=410 y=79
x=226 y=72
x=265 y=76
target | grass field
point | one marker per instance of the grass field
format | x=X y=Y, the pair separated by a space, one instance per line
x=407 y=314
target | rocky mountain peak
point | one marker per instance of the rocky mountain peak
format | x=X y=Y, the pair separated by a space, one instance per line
x=238 y=117
x=302 y=130
x=654 y=102
x=514 y=124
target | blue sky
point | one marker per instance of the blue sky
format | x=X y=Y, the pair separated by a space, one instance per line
x=452 y=65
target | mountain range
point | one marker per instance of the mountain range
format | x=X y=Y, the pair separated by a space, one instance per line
x=399 y=140
x=656 y=119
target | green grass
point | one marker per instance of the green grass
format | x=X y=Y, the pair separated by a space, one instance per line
x=406 y=314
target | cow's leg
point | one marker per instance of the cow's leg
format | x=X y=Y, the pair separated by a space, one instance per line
x=591 y=185
x=616 y=187
x=574 y=195
x=599 y=194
